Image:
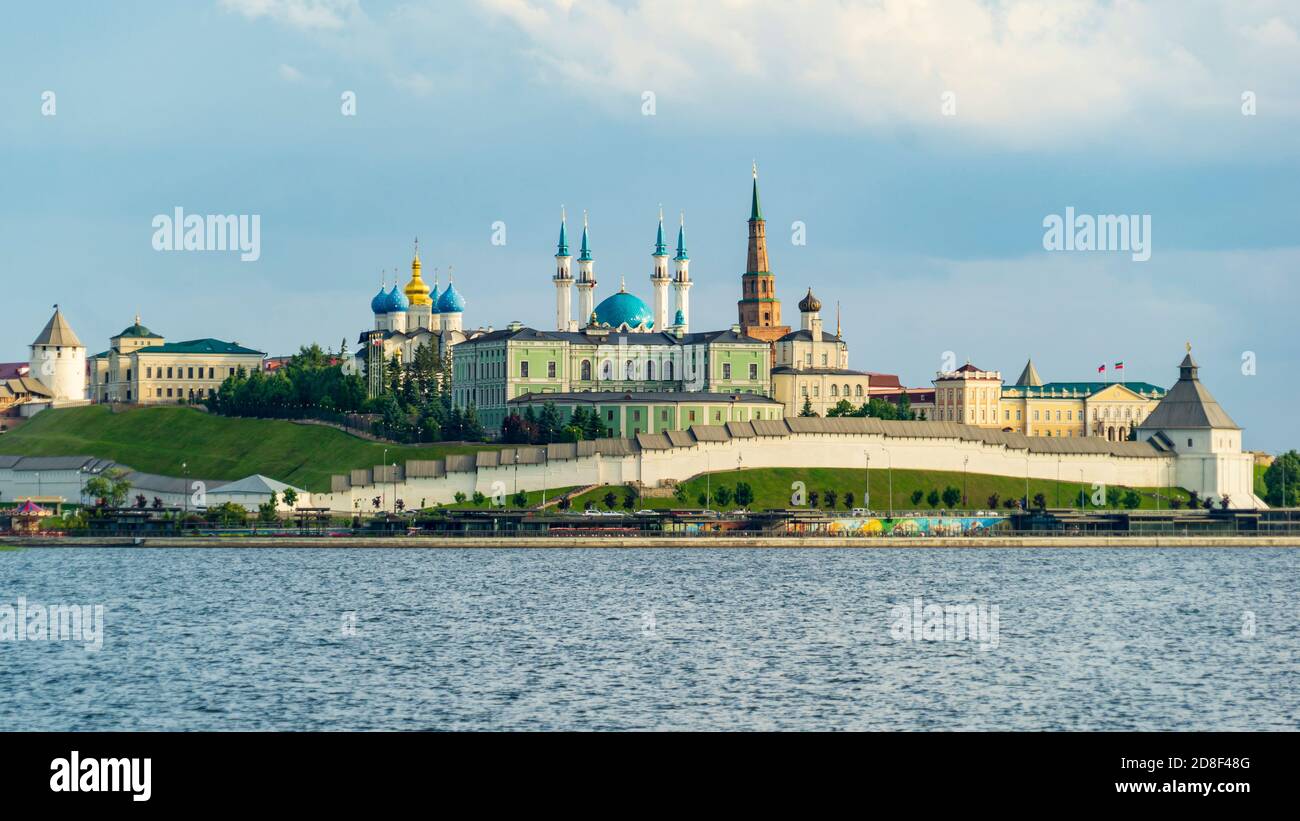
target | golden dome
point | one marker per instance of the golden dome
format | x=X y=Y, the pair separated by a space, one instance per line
x=417 y=291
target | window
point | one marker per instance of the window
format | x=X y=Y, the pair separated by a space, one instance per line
x=523 y=369
x=668 y=370
x=691 y=414
x=807 y=359
x=835 y=390
x=550 y=370
x=663 y=416
x=1035 y=416
x=823 y=360
x=586 y=370
x=650 y=370
x=803 y=390
x=609 y=415
x=636 y=416
x=817 y=391
x=753 y=371
x=857 y=391
x=190 y=374
x=630 y=368
x=159 y=392
x=1006 y=415
x=169 y=376
x=148 y=373
x=212 y=374
x=726 y=370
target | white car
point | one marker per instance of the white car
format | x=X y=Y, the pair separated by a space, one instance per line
x=592 y=512
x=646 y=513
x=861 y=511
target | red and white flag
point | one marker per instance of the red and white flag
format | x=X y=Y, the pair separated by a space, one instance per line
x=1119 y=366
x=1101 y=369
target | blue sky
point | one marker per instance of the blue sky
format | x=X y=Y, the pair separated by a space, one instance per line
x=925 y=228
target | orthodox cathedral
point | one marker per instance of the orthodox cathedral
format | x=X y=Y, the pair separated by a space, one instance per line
x=404 y=320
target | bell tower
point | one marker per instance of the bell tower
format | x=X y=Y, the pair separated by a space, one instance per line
x=759 y=308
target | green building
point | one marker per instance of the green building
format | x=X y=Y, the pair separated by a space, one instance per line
x=491 y=370
x=627 y=414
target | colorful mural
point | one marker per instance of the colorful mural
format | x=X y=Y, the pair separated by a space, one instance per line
x=910 y=526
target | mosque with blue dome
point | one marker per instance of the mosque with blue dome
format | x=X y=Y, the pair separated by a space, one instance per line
x=411 y=317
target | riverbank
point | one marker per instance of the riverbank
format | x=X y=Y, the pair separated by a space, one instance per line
x=625 y=542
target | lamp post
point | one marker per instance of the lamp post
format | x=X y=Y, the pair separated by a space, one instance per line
x=890 y=456
x=381 y=491
x=866 y=481
x=185 y=491
x=965 y=461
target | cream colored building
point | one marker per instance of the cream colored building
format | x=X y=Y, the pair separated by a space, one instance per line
x=1109 y=410
x=813 y=365
x=140 y=367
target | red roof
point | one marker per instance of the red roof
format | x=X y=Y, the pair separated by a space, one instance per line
x=30 y=508
x=883 y=380
x=968 y=367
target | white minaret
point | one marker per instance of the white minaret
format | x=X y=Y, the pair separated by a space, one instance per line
x=586 y=279
x=563 y=281
x=682 y=280
x=58 y=360
x=659 y=278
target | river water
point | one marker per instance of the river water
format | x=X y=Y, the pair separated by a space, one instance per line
x=463 y=639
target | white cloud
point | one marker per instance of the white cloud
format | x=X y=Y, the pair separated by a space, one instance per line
x=290 y=74
x=1025 y=72
x=327 y=15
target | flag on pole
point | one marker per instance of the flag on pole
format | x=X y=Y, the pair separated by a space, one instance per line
x=1119 y=366
x=1101 y=369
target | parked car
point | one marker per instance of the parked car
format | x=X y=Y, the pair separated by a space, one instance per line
x=592 y=512
x=647 y=513
x=861 y=511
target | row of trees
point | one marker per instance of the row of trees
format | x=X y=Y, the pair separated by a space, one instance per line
x=875 y=408
x=415 y=405
x=546 y=426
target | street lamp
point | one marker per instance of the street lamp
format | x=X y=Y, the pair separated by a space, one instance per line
x=866 y=480
x=964 y=498
x=381 y=487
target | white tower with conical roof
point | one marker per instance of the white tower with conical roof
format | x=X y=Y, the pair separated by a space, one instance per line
x=58 y=360
x=682 y=279
x=659 y=278
x=586 y=279
x=563 y=280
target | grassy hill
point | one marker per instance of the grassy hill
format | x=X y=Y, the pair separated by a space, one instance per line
x=772 y=489
x=158 y=440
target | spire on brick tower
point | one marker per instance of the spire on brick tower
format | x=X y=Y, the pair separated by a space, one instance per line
x=563 y=279
x=659 y=277
x=758 y=307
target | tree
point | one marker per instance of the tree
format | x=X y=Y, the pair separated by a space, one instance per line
x=459 y=497
x=266 y=510
x=228 y=514
x=932 y=499
x=703 y=499
x=842 y=408
x=917 y=496
x=1283 y=475
x=807 y=409
x=516 y=430
x=849 y=499
x=629 y=498
x=744 y=494
x=1193 y=500
x=679 y=492
x=1113 y=497
x=109 y=489
x=814 y=499
x=993 y=501
x=610 y=499
x=290 y=497
x=831 y=497
x=471 y=428
x=548 y=424
x=1131 y=499
x=478 y=498
x=520 y=499
x=722 y=494
x=1040 y=501
x=951 y=496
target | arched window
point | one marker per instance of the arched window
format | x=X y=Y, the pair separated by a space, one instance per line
x=607 y=370
x=846 y=390
x=835 y=390
x=858 y=390
x=631 y=369
x=668 y=370
x=586 y=370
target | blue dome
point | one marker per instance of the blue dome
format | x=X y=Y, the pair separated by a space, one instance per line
x=680 y=318
x=451 y=302
x=624 y=309
x=379 y=304
x=397 y=301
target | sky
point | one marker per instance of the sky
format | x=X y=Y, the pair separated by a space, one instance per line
x=920 y=145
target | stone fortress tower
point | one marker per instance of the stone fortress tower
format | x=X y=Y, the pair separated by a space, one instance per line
x=58 y=361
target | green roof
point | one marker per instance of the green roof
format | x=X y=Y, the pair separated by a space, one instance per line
x=200 y=346
x=1083 y=388
x=139 y=331
x=755 y=212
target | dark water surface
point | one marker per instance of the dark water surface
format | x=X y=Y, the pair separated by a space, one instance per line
x=410 y=639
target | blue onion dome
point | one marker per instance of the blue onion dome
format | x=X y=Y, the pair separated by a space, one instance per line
x=397 y=301
x=379 y=303
x=451 y=302
x=679 y=318
x=624 y=309
x=433 y=297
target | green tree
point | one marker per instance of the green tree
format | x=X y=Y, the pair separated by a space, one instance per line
x=629 y=498
x=679 y=493
x=807 y=409
x=951 y=496
x=610 y=499
x=831 y=498
x=932 y=499
x=722 y=494
x=917 y=496
x=849 y=499
x=1040 y=501
x=842 y=408
x=109 y=489
x=548 y=424
x=520 y=499
x=1132 y=500
x=459 y=497
x=478 y=498
x=744 y=494
x=1113 y=498
x=1282 y=480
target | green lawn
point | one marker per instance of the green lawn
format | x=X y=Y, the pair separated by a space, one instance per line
x=534 y=499
x=158 y=440
x=773 y=489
